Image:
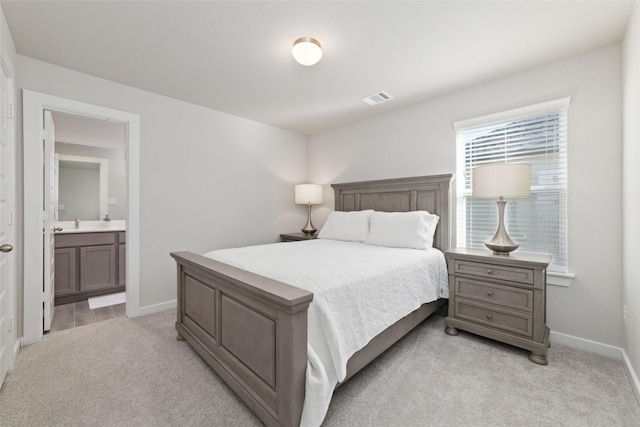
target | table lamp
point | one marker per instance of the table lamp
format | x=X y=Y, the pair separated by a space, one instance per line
x=502 y=181
x=308 y=194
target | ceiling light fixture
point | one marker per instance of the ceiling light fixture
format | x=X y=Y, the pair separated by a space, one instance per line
x=306 y=51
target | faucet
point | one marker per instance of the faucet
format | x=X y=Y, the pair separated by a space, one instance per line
x=106 y=218
x=77 y=222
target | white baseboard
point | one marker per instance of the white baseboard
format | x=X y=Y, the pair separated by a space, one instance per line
x=587 y=345
x=632 y=374
x=150 y=309
x=603 y=350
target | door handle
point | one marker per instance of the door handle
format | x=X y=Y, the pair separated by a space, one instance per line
x=6 y=248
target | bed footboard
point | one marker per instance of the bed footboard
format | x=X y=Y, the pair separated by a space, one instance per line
x=250 y=329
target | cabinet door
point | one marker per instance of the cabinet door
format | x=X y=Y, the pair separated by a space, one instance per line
x=97 y=267
x=122 y=276
x=65 y=272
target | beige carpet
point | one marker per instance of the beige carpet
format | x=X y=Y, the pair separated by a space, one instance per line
x=133 y=372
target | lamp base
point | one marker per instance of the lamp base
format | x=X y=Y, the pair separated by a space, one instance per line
x=501 y=249
x=501 y=244
x=309 y=229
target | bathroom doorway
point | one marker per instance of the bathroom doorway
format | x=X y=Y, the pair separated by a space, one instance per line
x=89 y=212
x=35 y=285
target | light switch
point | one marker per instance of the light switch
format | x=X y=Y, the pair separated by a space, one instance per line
x=112 y=201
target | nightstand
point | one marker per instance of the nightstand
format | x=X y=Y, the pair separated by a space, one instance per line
x=295 y=237
x=502 y=297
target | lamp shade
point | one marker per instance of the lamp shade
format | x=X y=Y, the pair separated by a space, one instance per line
x=511 y=181
x=306 y=51
x=308 y=194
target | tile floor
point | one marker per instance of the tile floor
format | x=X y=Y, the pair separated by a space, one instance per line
x=78 y=314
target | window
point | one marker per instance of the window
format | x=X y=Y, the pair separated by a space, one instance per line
x=536 y=135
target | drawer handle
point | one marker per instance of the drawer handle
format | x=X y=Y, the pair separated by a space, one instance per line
x=490 y=271
x=489 y=316
x=490 y=293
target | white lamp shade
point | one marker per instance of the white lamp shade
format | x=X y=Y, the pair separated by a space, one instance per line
x=511 y=181
x=306 y=51
x=309 y=194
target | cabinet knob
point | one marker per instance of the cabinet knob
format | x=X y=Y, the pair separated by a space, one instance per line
x=489 y=293
x=489 y=316
x=490 y=271
x=6 y=248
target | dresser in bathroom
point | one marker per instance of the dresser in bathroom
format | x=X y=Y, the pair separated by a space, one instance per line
x=89 y=264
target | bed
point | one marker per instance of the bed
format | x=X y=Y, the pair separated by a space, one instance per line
x=252 y=330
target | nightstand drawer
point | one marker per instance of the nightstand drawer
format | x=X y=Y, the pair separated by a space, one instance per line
x=521 y=299
x=494 y=271
x=515 y=322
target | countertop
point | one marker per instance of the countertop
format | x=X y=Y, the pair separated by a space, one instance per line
x=69 y=227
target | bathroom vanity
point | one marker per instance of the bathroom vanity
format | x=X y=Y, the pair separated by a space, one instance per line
x=89 y=262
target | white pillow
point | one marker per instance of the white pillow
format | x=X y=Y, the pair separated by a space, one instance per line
x=347 y=226
x=402 y=229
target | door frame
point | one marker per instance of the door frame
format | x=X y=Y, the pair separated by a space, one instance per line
x=12 y=346
x=33 y=105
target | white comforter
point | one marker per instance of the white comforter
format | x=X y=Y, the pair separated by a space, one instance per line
x=358 y=291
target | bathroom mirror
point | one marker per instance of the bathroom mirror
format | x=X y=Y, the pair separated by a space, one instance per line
x=82 y=187
x=92 y=155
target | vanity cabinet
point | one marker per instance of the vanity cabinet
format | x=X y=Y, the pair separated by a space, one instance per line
x=88 y=264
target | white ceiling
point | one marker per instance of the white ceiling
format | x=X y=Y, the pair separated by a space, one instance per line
x=234 y=56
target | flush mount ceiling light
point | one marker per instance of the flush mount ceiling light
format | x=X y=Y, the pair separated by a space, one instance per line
x=306 y=51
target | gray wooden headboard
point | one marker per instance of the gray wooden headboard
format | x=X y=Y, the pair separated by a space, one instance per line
x=429 y=193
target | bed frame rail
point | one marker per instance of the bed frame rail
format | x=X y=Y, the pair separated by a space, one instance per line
x=250 y=329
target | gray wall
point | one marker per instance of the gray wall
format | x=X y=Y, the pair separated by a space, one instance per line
x=207 y=179
x=631 y=186
x=420 y=140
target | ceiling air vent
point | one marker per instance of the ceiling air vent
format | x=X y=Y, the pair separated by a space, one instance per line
x=377 y=98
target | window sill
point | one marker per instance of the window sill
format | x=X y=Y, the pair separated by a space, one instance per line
x=559 y=279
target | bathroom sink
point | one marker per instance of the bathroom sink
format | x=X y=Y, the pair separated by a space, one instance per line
x=90 y=226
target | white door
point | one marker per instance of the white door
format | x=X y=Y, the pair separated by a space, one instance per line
x=48 y=221
x=6 y=247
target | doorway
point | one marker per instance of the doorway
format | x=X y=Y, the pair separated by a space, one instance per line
x=36 y=287
x=89 y=186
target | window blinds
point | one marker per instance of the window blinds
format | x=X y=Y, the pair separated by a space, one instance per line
x=536 y=135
